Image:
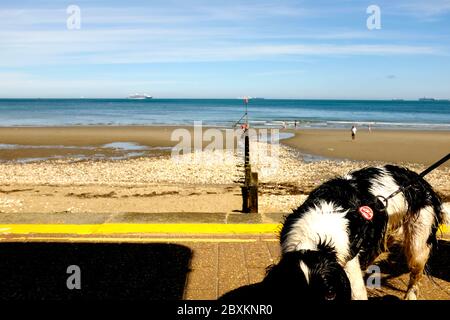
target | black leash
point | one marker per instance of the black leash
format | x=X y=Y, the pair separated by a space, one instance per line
x=421 y=175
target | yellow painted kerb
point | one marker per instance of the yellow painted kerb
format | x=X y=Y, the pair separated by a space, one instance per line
x=123 y=228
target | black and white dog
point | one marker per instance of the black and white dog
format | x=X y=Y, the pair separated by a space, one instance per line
x=345 y=223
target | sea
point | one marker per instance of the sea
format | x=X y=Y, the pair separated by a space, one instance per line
x=392 y=114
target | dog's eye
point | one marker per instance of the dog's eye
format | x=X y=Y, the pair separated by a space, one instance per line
x=330 y=294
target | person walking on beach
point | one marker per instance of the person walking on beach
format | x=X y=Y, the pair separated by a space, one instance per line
x=353 y=132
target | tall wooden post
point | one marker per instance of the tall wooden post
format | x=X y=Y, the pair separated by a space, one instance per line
x=247 y=167
x=250 y=187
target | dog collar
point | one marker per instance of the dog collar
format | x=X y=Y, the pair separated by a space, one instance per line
x=367 y=213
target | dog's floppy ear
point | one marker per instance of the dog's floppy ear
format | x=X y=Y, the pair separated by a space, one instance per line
x=287 y=269
x=326 y=247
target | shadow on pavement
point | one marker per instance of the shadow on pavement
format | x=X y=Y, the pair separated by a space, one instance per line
x=38 y=271
x=438 y=265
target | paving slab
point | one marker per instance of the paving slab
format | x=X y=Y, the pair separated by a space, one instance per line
x=54 y=218
x=274 y=217
x=169 y=217
x=244 y=218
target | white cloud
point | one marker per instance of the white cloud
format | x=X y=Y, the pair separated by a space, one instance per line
x=203 y=31
x=167 y=14
x=14 y=84
x=426 y=8
x=271 y=73
x=67 y=53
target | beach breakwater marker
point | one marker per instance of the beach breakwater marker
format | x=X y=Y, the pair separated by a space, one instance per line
x=250 y=187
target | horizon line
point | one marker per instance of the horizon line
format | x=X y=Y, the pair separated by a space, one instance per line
x=222 y=98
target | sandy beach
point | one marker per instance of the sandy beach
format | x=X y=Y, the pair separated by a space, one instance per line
x=88 y=135
x=55 y=190
x=399 y=146
x=395 y=146
x=85 y=141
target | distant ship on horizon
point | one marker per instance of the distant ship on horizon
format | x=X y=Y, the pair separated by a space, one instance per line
x=138 y=96
x=427 y=99
x=251 y=98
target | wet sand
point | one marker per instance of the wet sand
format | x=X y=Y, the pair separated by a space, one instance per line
x=421 y=147
x=78 y=138
x=88 y=135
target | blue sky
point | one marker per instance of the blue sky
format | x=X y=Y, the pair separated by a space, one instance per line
x=225 y=49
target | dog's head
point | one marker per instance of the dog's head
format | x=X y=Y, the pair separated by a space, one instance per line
x=309 y=275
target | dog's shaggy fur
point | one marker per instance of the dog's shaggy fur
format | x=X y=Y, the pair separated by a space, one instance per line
x=332 y=236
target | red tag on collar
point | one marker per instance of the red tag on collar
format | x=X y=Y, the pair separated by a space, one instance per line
x=366 y=212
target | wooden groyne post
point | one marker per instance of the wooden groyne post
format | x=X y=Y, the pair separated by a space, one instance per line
x=250 y=187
